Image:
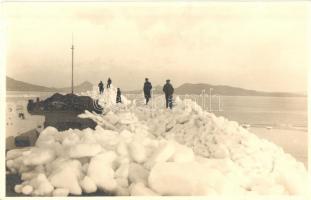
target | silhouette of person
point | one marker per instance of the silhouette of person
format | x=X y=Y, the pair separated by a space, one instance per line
x=118 y=99
x=101 y=87
x=109 y=82
x=168 y=91
x=147 y=90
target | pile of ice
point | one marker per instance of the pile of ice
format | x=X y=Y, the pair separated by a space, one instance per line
x=107 y=100
x=122 y=163
x=214 y=137
x=186 y=151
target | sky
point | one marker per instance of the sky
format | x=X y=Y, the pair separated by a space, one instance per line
x=253 y=45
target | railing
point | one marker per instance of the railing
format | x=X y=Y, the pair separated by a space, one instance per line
x=203 y=99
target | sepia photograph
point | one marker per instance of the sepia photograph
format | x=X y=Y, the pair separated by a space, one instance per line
x=175 y=98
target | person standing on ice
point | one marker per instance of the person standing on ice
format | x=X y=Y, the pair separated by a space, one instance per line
x=168 y=91
x=118 y=99
x=109 y=82
x=101 y=87
x=147 y=90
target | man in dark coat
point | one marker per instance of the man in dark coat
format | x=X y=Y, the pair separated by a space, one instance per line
x=118 y=99
x=101 y=87
x=168 y=91
x=147 y=90
x=109 y=83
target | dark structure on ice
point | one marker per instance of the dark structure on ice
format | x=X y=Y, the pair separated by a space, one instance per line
x=61 y=111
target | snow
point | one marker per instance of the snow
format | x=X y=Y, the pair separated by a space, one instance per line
x=137 y=151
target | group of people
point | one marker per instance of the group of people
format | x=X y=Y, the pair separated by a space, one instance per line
x=101 y=89
x=101 y=85
x=168 y=90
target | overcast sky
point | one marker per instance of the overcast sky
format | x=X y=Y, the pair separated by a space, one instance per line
x=262 y=46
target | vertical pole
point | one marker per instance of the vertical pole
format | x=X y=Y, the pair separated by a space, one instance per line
x=210 y=99
x=203 y=102
x=72 y=50
x=152 y=102
x=218 y=103
x=202 y=98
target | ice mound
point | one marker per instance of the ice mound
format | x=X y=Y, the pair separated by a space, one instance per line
x=216 y=137
x=184 y=151
x=105 y=167
x=108 y=99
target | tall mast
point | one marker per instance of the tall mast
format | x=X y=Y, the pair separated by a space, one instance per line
x=72 y=50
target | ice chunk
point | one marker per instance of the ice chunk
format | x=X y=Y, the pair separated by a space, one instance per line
x=170 y=125
x=112 y=118
x=101 y=172
x=293 y=183
x=139 y=189
x=122 y=182
x=122 y=149
x=122 y=191
x=137 y=151
x=60 y=192
x=189 y=178
x=123 y=170
x=47 y=137
x=182 y=119
x=137 y=174
x=28 y=175
x=10 y=164
x=38 y=156
x=18 y=188
x=183 y=154
x=163 y=153
x=83 y=150
x=88 y=185
x=67 y=175
x=42 y=185
x=14 y=153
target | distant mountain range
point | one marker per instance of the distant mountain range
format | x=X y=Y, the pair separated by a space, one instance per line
x=15 y=85
x=187 y=88
x=223 y=90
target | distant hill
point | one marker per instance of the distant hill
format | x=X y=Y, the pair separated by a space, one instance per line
x=83 y=87
x=15 y=85
x=189 y=88
x=156 y=90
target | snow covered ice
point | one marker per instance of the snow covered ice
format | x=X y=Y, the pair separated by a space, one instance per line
x=137 y=150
